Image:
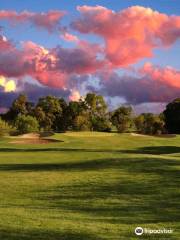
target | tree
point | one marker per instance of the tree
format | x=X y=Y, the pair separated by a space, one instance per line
x=95 y=104
x=97 y=109
x=122 y=118
x=172 y=116
x=20 y=106
x=149 y=123
x=101 y=124
x=40 y=116
x=139 y=122
x=61 y=121
x=47 y=111
x=26 y=124
x=82 y=123
x=73 y=110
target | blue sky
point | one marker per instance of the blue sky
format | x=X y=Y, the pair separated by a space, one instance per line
x=168 y=6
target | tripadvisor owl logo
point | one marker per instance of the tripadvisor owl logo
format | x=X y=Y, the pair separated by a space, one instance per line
x=139 y=231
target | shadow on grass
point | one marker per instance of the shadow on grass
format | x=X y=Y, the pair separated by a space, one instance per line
x=132 y=165
x=147 y=211
x=45 y=235
x=132 y=201
x=155 y=150
x=149 y=193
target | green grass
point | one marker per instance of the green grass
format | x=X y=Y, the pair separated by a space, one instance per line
x=89 y=186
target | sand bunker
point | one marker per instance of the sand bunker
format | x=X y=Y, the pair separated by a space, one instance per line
x=32 y=138
x=138 y=135
x=162 y=135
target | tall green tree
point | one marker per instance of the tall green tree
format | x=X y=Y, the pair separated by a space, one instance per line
x=61 y=122
x=47 y=110
x=82 y=123
x=73 y=110
x=41 y=117
x=97 y=109
x=96 y=104
x=20 y=106
x=122 y=118
x=172 y=116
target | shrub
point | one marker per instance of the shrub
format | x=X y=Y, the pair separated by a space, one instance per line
x=4 y=128
x=101 y=124
x=81 y=123
x=148 y=123
x=26 y=124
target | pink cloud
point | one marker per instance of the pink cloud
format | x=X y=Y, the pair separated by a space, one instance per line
x=130 y=34
x=167 y=75
x=59 y=68
x=75 y=95
x=35 y=61
x=50 y=67
x=4 y=43
x=69 y=37
x=49 y=20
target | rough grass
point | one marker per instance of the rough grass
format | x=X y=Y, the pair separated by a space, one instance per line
x=89 y=186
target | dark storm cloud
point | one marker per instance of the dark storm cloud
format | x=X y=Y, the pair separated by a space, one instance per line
x=136 y=90
x=33 y=92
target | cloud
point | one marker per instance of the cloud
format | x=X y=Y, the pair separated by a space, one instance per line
x=57 y=67
x=75 y=95
x=40 y=64
x=69 y=68
x=6 y=99
x=79 y=60
x=8 y=85
x=4 y=43
x=149 y=107
x=149 y=85
x=33 y=92
x=31 y=60
x=131 y=34
x=49 y=20
x=69 y=37
x=166 y=75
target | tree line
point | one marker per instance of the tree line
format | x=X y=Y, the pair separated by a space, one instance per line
x=88 y=114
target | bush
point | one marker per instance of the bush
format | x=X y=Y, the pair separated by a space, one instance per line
x=101 y=124
x=81 y=123
x=4 y=128
x=26 y=124
x=148 y=123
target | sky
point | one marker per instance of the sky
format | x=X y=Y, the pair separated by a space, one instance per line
x=126 y=50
